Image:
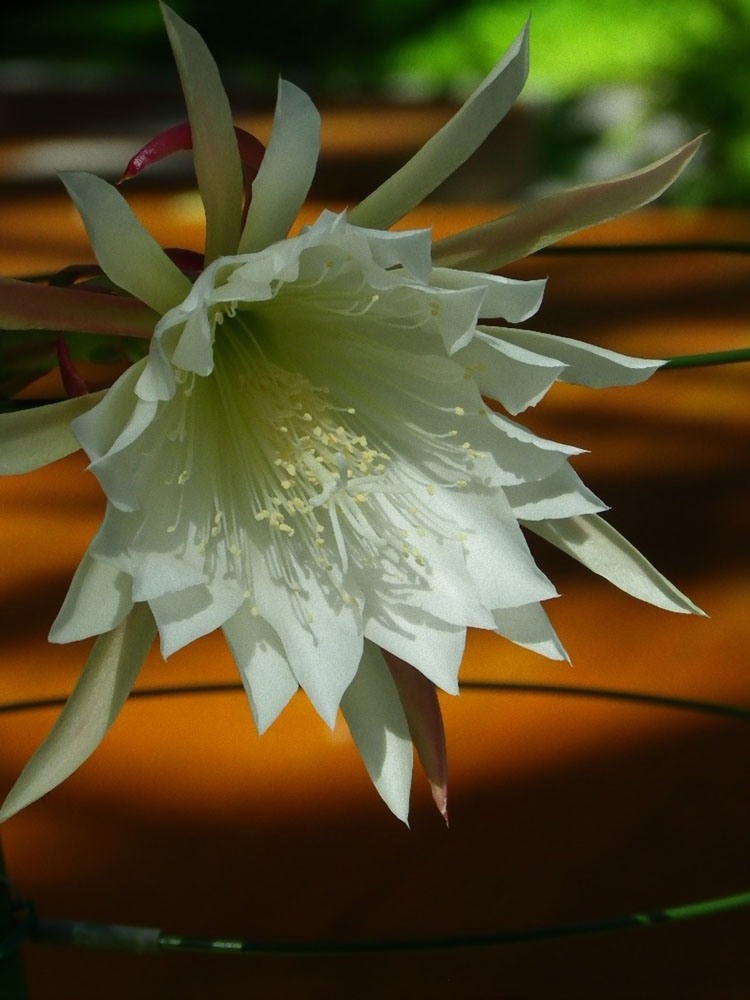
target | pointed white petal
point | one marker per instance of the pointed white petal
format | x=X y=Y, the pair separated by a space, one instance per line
x=603 y=550
x=523 y=455
x=262 y=663
x=529 y=626
x=408 y=248
x=35 y=437
x=505 y=298
x=100 y=693
x=376 y=720
x=458 y=312
x=287 y=170
x=322 y=643
x=515 y=377
x=439 y=583
x=217 y=159
x=452 y=145
x=585 y=364
x=496 y=554
x=537 y=224
x=422 y=710
x=126 y=252
x=432 y=646
x=98 y=599
x=193 y=612
x=560 y=495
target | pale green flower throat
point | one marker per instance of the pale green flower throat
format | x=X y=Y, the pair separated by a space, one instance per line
x=276 y=445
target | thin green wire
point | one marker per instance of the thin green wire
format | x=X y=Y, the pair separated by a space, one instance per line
x=140 y=939
x=709 y=358
x=145 y=939
x=672 y=914
x=699 y=246
x=513 y=687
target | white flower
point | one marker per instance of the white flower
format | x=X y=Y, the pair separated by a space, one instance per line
x=305 y=458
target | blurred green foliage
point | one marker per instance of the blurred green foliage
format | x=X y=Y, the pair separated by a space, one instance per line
x=689 y=61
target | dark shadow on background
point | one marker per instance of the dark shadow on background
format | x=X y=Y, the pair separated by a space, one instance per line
x=656 y=824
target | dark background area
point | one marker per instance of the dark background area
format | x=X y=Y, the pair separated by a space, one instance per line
x=612 y=85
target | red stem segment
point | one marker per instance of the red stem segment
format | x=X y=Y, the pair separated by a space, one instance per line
x=180 y=137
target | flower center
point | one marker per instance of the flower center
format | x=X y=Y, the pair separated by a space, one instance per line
x=274 y=450
x=300 y=445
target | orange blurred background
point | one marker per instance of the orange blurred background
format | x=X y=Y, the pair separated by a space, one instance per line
x=563 y=809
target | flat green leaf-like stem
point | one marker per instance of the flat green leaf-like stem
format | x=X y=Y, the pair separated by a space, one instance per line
x=25 y=306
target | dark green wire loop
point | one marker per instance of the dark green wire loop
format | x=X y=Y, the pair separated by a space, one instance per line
x=115 y=937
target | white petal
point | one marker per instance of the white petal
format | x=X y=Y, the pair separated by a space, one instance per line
x=531 y=227
x=376 y=720
x=603 y=550
x=440 y=583
x=586 y=364
x=452 y=145
x=505 y=298
x=322 y=638
x=529 y=626
x=497 y=557
x=409 y=248
x=126 y=252
x=194 y=351
x=98 y=431
x=264 y=668
x=432 y=646
x=287 y=170
x=513 y=376
x=193 y=612
x=560 y=495
x=157 y=572
x=100 y=693
x=215 y=154
x=108 y=431
x=524 y=456
x=98 y=599
x=458 y=314
x=111 y=543
x=39 y=435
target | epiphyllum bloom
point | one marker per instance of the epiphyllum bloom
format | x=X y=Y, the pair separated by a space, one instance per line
x=305 y=458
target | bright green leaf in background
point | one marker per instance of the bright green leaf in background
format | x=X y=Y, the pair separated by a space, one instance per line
x=660 y=71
